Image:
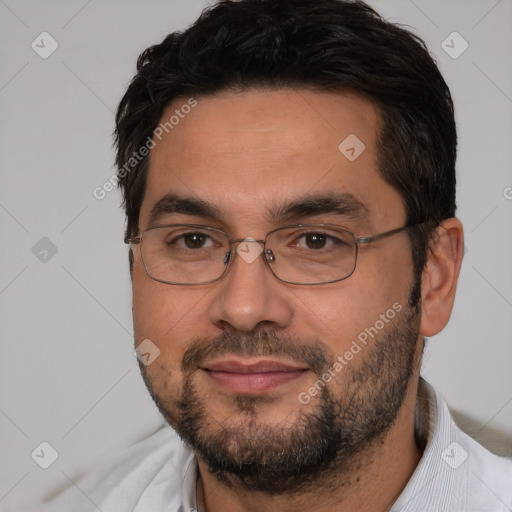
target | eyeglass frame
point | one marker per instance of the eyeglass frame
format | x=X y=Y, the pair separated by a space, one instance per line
x=137 y=240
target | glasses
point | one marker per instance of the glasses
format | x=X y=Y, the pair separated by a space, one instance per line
x=303 y=254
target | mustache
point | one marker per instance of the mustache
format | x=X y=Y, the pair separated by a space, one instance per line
x=262 y=343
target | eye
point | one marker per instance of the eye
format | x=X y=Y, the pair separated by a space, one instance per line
x=315 y=241
x=195 y=240
x=191 y=240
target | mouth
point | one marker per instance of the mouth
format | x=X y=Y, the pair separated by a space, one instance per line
x=250 y=376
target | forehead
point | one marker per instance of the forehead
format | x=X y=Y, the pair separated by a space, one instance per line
x=250 y=152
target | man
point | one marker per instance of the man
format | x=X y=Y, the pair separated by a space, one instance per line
x=288 y=170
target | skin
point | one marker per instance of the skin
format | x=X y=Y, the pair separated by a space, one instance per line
x=245 y=152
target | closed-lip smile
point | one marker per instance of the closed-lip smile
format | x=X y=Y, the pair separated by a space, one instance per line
x=251 y=375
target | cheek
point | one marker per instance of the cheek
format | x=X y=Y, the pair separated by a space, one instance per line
x=166 y=316
x=337 y=313
x=333 y=314
x=155 y=316
x=385 y=278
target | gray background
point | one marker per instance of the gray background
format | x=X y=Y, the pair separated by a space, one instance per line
x=67 y=372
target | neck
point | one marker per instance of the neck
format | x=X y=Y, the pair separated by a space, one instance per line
x=372 y=480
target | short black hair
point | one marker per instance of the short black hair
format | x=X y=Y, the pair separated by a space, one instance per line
x=324 y=45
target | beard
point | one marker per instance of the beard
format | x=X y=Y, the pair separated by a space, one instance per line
x=351 y=414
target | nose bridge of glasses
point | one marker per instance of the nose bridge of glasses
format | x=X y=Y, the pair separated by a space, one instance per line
x=248 y=239
x=249 y=249
x=242 y=244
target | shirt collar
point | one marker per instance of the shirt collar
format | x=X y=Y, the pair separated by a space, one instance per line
x=189 y=485
x=432 y=485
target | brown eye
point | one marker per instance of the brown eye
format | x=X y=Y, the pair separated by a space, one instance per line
x=194 y=240
x=315 y=241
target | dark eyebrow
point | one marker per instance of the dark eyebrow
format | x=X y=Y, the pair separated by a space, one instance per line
x=307 y=206
x=171 y=203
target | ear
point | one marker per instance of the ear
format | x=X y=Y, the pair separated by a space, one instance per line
x=440 y=276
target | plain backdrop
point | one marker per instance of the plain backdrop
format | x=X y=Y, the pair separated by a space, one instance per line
x=68 y=376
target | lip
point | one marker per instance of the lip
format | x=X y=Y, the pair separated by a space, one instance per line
x=251 y=377
x=250 y=365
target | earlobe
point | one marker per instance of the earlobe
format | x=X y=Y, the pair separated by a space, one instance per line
x=440 y=276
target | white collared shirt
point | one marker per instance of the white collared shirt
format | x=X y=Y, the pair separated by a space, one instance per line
x=159 y=474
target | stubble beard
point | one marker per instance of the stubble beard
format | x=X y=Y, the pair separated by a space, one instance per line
x=328 y=439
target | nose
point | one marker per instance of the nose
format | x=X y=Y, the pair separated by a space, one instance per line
x=248 y=297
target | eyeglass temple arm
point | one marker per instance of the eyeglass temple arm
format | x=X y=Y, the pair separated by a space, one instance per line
x=134 y=240
x=373 y=238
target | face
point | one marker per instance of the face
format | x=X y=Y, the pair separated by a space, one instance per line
x=255 y=373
